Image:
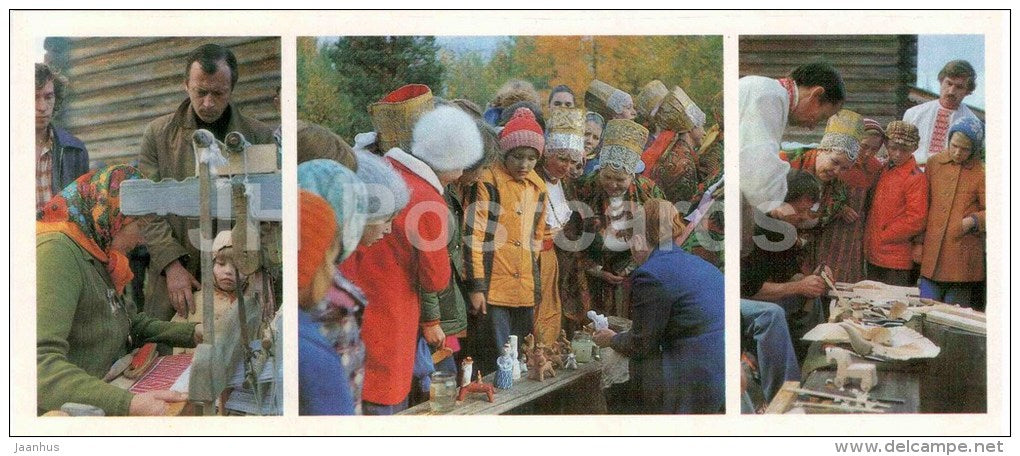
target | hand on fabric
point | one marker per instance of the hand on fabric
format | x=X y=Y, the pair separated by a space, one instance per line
x=180 y=285
x=848 y=214
x=603 y=337
x=611 y=278
x=434 y=335
x=154 y=403
x=478 y=303
x=811 y=286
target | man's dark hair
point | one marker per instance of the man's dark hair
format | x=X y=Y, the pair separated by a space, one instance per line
x=800 y=183
x=561 y=88
x=44 y=73
x=958 y=68
x=821 y=74
x=207 y=56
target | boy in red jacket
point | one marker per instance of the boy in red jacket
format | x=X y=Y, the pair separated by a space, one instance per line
x=898 y=211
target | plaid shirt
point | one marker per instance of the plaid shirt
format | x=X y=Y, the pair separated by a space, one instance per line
x=43 y=178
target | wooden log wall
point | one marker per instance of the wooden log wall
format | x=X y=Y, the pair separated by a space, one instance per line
x=878 y=70
x=118 y=85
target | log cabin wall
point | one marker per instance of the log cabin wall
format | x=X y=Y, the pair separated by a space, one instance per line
x=878 y=70
x=118 y=85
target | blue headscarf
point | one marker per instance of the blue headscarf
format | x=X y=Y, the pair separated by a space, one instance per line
x=388 y=193
x=345 y=193
x=973 y=129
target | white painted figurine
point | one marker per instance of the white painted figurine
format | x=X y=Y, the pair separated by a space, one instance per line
x=601 y=322
x=466 y=368
x=571 y=361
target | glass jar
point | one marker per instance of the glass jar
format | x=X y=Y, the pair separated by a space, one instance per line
x=582 y=346
x=442 y=391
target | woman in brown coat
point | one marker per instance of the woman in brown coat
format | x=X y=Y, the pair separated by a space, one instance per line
x=953 y=262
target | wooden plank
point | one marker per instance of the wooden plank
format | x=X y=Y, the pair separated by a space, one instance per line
x=173 y=48
x=849 y=72
x=523 y=392
x=158 y=92
x=904 y=386
x=81 y=48
x=792 y=59
x=784 y=399
x=250 y=62
x=113 y=114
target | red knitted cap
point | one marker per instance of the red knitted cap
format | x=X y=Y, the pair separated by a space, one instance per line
x=318 y=229
x=522 y=130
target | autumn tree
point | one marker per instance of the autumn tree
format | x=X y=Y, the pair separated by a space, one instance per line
x=369 y=67
x=319 y=98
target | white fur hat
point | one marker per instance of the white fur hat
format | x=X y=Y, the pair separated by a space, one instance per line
x=447 y=139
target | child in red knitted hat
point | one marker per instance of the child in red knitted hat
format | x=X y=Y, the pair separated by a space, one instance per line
x=505 y=227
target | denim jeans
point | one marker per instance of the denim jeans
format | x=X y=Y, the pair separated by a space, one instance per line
x=765 y=324
x=371 y=408
x=510 y=320
x=962 y=293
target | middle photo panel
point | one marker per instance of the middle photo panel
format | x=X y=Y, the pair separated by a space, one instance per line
x=510 y=225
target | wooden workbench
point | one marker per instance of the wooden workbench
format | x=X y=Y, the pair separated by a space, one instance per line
x=573 y=392
x=952 y=382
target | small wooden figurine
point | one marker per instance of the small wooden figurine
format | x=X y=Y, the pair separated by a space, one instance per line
x=571 y=361
x=846 y=370
x=553 y=355
x=515 y=353
x=477 y=386
x=600 y=321
x=564 y=343
x=504 y=378
x=539 y=365
x=529 y=344
x=466 y=366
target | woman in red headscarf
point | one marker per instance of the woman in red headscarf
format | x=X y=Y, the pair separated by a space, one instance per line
x=83 y=323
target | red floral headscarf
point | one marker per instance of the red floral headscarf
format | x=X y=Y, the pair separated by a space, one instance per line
x=88 y=212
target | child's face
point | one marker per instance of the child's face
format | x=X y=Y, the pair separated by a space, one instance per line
x=558 y=165
x=520 y=161
x=830 y=164
x=899 y=153
x=615 y=183
x=223 y=272
x=376 y=231
x=960 y=147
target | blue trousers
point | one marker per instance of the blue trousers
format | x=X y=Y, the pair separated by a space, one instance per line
x=371 y=408
x=965 y=294
x=764 y=323
x=510 y=320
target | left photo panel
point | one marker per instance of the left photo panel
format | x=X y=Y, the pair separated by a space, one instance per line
x=158 y=226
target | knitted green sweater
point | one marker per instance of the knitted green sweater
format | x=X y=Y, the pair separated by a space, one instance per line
x=82 y=327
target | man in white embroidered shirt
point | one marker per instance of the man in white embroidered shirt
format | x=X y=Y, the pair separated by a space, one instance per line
x=956 y=80
x=809 y=96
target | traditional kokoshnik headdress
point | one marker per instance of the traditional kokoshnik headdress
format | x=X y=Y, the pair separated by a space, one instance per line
x=605 y=99
x=650 y=97
x=565 y=132
x=395 y=115
x=622 y=144
x=843 y=133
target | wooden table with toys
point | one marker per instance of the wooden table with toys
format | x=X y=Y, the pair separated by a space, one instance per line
x=886 y=350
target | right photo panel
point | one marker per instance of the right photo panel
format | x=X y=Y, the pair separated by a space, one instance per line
x=862 y=261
